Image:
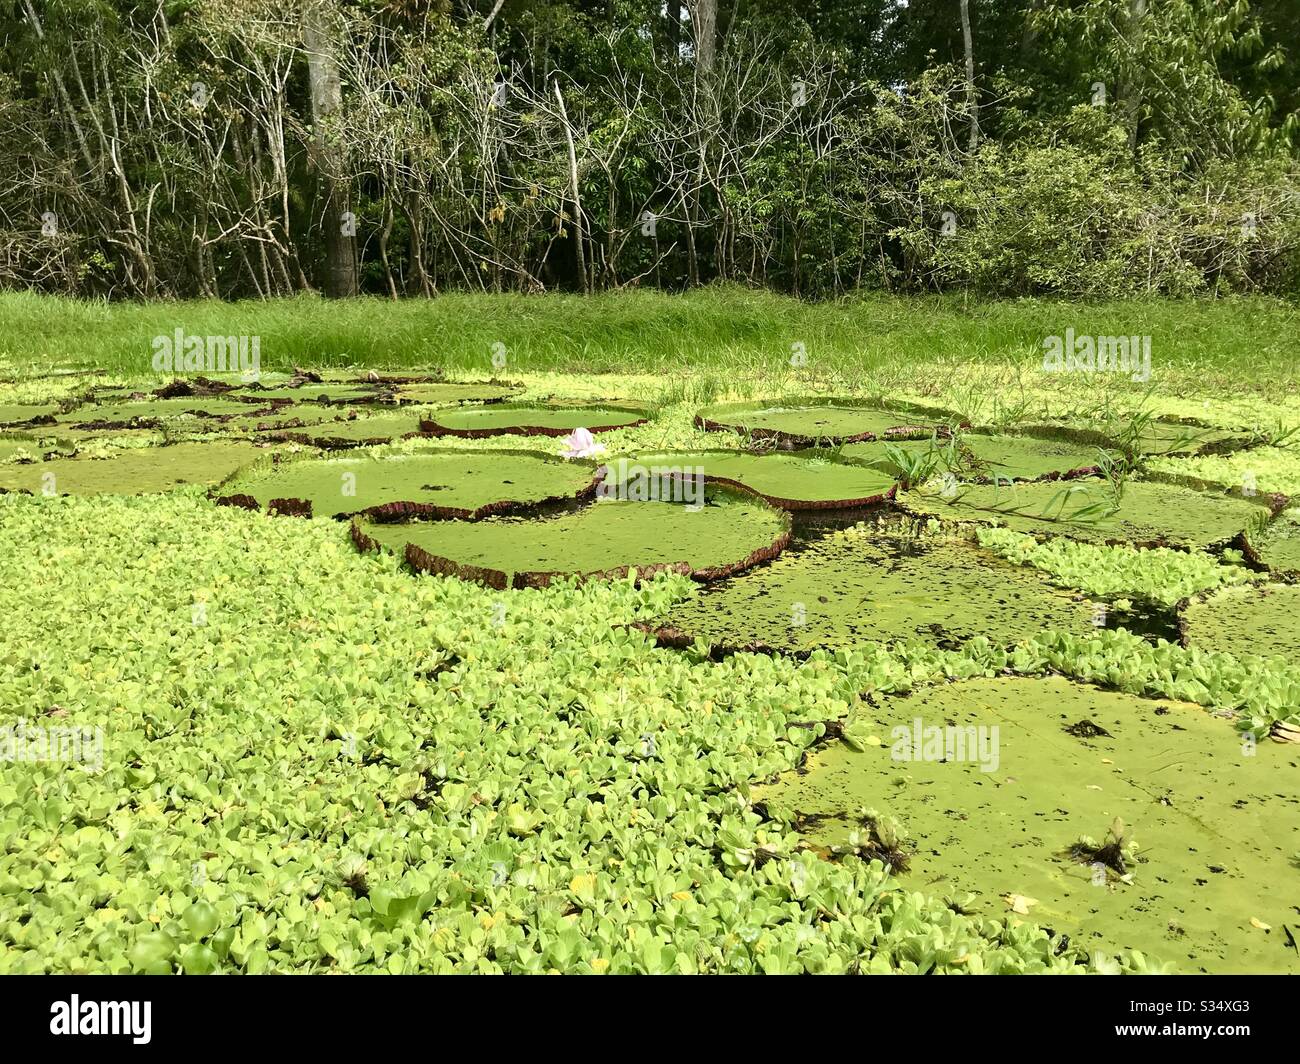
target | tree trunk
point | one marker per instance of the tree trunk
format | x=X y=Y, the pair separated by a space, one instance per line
x=673 y=9
x=573 y=190
x=326 y=100
x=972 y=97
x=1029 y=38
x=704 y=24
x=1131 y=92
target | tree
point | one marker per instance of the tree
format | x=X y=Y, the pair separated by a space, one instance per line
x=972 y=98
x=318 y=37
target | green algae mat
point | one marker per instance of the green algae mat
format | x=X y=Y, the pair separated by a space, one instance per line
x=858 y=586
x=994 y=782
x=1262 y=619
x=458 y=484
x=530 y=419
x=137 y=471
x=807 y=481
x=1149 y=513
x=726 y=535
x=802 y=423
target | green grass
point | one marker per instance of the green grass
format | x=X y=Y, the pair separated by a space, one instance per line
x=722 y=330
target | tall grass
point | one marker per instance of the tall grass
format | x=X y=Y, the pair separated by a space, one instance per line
x=723 y=331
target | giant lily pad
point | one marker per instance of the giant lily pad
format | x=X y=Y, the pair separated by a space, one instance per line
x=282 y=420
x=984 y=456
x=806 y=481
x=803 y=423
x=311 y=392
x=856 y=587
x=1261 y=619
x=998 y=813
x=14 y=443
x=1161 y=437
x=523 y=419
x=1016 y=457
x=728 y=534
x=20 y=413
x=451 y=392
x=1150 y=513
x=464 y=484
x=153 y=411
x=138 y=471
x=354 y=432
x=1278 y=546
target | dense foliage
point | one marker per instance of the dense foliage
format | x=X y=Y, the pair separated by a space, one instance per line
x=248 y=147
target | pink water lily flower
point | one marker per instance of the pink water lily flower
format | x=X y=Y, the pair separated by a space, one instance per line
x=581 y=444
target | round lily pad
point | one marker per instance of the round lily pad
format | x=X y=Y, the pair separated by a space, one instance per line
x=728 y=534
x=855 y=587
x=1278 y=546
x=14 y=443
x=1149 y=513
x=282 y=420
x=981 y=456
x=452 y=392
x=311 y=392
x=805 y=481
x=137 y=471
x=443 y=484
x=522 y=419
x=1015 y=457
x=354 y=432
x=1167 y=437
x=803 y=423
x=21 y=413
x=153 y=411
x=993 y=782
x=1257 y=619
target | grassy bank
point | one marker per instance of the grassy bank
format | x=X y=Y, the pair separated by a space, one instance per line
x=1244 y=343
